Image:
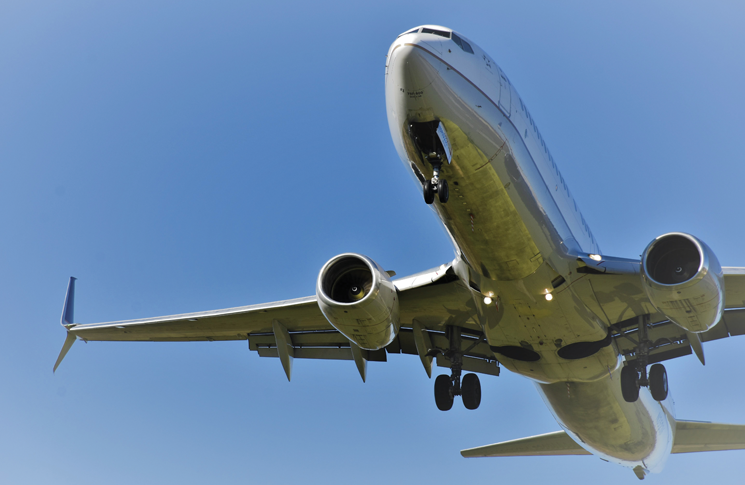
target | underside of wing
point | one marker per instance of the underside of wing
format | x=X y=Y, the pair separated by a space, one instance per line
x=550 y=444
x=669 y=341
x=430 y=302
x=613 y=289
x=418 y=294
x=226 y=324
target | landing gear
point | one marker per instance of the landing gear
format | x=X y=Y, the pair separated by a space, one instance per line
x=432 y=143
x=429 y=192
x=446 y=388
x=634 y=375
x=443 y=393
x=471 y=391
x=658 y=382
x=630 y=383
x=436 y=184
x=443 y=193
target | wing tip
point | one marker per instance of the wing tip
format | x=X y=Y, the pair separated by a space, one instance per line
x=69 y=340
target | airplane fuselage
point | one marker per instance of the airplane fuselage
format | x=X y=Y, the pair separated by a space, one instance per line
x=517 y=229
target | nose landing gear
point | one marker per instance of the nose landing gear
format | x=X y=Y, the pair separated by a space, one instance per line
x=436 y=184
x=434 y=147
x=447 y=387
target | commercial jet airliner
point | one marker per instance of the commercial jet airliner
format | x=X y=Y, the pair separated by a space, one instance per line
x=529 y=289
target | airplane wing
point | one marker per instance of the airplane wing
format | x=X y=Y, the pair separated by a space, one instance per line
x=612 y=289
x=299 y=325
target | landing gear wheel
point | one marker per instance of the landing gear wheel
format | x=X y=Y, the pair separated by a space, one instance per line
x=471 y=391
x=443 y=396
x=429 y=192
x=443 y=193
x=629 y=383
x=658 y=382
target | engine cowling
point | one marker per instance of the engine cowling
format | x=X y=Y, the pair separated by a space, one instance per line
x=684 y=281
x=358 y=298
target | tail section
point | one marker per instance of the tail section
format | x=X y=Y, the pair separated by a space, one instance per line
x=549 y=444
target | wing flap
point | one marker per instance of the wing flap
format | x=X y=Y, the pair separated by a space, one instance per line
x=550 y=444
x=671 y=341
x=694 y=436
x=734 y=287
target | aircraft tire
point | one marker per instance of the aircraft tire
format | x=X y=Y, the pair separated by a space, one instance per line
x=443 y=396
x=443 y=192
x=471 y=391
x=429 y=192
x=629 y=383
x=658 y=382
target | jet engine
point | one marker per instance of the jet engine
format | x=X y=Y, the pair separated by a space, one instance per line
x=359 y=300
x=684 y=281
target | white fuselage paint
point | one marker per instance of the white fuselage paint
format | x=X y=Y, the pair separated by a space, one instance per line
x=508 y=197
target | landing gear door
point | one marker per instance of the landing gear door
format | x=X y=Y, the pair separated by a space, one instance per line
x=504 y=93
x=445 y=142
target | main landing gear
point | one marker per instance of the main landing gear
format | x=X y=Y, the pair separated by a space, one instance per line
x=447 y=387
x=634 y=374
x=438 y=185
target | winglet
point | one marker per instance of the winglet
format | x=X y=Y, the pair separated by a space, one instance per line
x=67 y=321
x=69 y=307
x=65 y=347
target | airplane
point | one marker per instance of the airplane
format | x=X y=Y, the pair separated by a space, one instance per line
x=529 y=288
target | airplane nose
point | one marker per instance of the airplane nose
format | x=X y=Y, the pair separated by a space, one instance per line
x=411 y=69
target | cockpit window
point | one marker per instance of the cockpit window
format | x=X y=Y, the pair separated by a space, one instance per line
x=441 y=33
x=413 y=31
x=462 y=44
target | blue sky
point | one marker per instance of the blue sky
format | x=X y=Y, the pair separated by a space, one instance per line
x=184 y=156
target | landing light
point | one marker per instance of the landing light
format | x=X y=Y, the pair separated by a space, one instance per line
x=487 y=301
x=549 y=297
x=596 y=257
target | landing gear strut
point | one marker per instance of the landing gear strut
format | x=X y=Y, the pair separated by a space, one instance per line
x=634 y=374
x=447 y=387
x=436 y=184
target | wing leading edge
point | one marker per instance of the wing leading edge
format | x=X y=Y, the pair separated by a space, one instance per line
x=433 y=299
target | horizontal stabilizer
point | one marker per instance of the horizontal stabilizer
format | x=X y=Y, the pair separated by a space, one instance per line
x=549 y=444
x=693 y=436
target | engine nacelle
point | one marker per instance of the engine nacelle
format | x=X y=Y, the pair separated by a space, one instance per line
x=684 y=281
x=358 y=298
